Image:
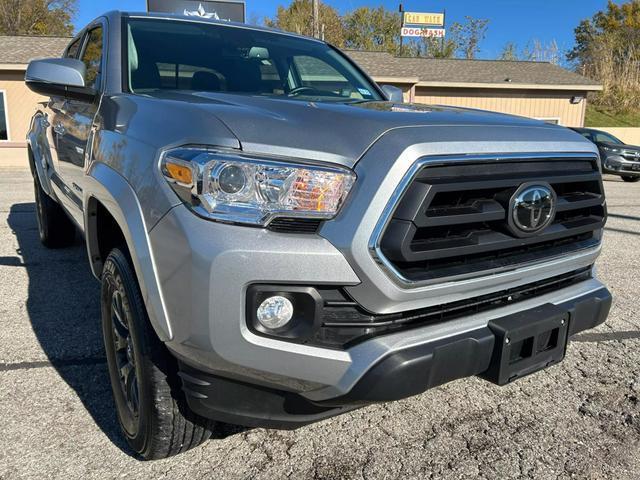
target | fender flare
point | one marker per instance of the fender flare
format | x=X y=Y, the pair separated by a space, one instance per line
x=39 y=161
x=108 y=188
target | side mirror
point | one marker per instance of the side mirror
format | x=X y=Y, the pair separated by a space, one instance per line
x=63 y=77
x=394 y=94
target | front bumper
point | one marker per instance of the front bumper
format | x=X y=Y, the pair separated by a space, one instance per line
x=405 y=372
x=204 y=270
x=618 y=165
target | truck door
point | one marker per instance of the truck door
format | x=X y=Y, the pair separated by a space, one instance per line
x=73 y=121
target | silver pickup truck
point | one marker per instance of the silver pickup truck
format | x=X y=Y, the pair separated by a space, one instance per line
x=280 y=240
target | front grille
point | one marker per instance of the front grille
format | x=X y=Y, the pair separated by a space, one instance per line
x=631 y=155
x=452 y=219
x=345 y=323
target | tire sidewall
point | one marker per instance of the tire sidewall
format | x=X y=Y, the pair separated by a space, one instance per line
x=630 y=179
x=117 y=273
x=40 y=212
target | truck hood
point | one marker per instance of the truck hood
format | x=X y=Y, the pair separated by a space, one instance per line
x=622 y=146
x=322 y=131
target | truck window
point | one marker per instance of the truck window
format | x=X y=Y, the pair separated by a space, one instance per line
x=171 y=55
x=92 y=57
x=319 y=75
x=606 y=138
x=72 y=50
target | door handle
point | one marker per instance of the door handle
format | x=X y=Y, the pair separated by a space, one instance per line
x=59 y=129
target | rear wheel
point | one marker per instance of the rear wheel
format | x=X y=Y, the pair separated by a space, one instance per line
x=629 y=178
x=151 y=407
x=54 y=226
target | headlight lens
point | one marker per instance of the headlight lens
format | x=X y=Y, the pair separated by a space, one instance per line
x=234 y=187
x=613 y=150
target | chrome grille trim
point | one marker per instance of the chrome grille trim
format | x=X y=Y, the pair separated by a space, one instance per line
x=443 y=160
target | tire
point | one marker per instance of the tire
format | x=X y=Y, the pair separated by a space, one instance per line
x=630 y=179
x=55 y=228
x=151 y=407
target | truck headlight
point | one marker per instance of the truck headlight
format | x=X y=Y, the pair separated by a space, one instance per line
x=236 y=187
x=612 y=150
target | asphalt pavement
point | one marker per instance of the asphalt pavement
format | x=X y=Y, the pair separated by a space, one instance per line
x=579 y=419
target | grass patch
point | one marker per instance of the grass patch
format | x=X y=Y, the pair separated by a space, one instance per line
x=596 y=117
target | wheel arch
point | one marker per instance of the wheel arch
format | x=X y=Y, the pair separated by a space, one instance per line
x=113 y=217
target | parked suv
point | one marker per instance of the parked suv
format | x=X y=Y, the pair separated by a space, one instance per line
x=279 y=240
x=617 y=157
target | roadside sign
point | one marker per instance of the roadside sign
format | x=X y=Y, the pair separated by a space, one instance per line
x=423 y=32
x=219 y=9
x=415 y=18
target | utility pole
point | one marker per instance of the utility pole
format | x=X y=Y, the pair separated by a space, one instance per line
x=401 y=10
x=316 y=18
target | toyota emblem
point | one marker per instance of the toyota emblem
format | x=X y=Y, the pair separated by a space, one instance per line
x=533 y=208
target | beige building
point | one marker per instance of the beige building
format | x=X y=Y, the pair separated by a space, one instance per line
x=531 y=89
x=17 y=102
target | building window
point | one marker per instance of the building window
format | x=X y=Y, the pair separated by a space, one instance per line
x=4 y=121
x=552 y=121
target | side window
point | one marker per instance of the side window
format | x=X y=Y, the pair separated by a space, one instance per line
x=72 y=50
x=588 y=136
x=92 y=57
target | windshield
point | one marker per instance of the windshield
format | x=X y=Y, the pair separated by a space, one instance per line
x=181 y=55
x=605 y=137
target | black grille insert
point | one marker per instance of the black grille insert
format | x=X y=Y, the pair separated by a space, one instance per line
x=345 y=323
x=294 y=225
x=452 y=219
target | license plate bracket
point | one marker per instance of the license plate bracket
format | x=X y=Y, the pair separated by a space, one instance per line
x=527 y=342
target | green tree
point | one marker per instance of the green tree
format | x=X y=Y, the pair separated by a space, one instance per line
x=608 y=50
x=297 y=18
x=374 y=29
x=37 y=17
x=616 y=27
x=462 y=40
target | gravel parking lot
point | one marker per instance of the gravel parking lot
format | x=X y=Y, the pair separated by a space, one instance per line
x=580 y=419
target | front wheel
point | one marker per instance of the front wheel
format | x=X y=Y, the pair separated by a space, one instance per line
x=630 y=179
x=150 y=404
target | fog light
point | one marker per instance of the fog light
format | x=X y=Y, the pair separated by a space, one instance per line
x=275 y=312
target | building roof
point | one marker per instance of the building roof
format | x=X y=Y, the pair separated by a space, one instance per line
x=20 y=50
x=435 y=72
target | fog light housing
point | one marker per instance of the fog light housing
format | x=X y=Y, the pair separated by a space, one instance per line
x=275 y=312
x=282 y=311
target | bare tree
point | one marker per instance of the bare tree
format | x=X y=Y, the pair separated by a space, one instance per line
x=469 y=34
x=509 y=52
x=537 y=51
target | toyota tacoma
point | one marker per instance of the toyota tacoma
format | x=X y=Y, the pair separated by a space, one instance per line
x=280 y=240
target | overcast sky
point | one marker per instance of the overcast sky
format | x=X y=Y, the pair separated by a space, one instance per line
x=519 y=21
